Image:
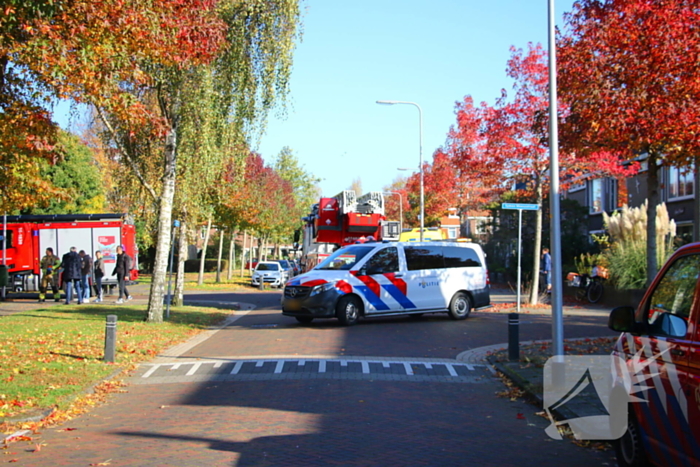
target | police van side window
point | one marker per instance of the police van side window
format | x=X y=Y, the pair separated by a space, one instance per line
x=384 y=261
x=674 y=295
x=459 y=257
x=424 y=257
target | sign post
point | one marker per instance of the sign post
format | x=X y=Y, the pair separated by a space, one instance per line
x=520 y=207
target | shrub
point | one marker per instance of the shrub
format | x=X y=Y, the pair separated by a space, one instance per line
x=626 y=252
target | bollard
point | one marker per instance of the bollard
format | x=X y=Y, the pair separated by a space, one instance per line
x=110 y=338
x=513 y=337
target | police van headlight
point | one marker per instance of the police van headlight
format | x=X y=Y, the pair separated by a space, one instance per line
x=322 y=288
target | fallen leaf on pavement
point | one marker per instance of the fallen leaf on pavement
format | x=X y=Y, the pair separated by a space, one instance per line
x=520 y=416
x=103 y=463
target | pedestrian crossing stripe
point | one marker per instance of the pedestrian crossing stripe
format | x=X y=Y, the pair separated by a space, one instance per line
x=436 y=367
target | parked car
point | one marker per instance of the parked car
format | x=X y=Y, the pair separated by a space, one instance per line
x=269 y=272
x=660 y=345
x=286 y=265
x=252 y=263
x=295 y=266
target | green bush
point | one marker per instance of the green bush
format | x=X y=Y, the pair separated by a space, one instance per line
x=192 y=265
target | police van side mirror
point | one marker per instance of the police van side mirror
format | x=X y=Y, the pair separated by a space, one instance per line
x=622 y=320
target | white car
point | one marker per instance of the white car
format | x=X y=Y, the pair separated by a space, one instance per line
x=269 y=272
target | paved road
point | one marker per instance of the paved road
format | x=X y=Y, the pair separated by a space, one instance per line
x=267 y=391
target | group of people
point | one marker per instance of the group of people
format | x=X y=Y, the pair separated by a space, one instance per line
x=75 y=270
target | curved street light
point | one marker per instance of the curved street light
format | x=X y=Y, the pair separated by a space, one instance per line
x=420 y=153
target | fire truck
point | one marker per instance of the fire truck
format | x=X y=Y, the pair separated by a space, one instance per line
x=342 y=220
x=26 y=239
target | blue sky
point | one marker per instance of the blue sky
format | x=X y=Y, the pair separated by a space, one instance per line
x=354 y=53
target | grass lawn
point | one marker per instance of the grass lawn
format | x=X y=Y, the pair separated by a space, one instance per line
x=209 y=283
x=50 y=357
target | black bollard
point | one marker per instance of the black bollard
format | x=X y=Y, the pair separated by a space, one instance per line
x=110 y=338
x=513 y=337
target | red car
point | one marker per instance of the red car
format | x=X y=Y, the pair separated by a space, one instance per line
x=660 y=345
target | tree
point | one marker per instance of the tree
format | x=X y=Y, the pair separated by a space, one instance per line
x=304 y=187
x=628 y=70
x=77 y=175
x=506 y=146
x=133 y=61
x=28 y=137
x=439 y=184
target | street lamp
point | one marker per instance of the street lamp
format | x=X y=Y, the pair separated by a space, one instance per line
x=400 y=206
x=420 y=153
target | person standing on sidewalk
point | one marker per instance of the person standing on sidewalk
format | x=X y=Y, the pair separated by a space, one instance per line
x=98 y=273
x=71 y=275
x=546 y=268
x=49 y=275
x=85 y=271
x=121 y=270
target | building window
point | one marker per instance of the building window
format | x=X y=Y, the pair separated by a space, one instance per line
x=452 y=232
x=684 y=232
x=603 y=195
x=680 y=182
x=595 y=204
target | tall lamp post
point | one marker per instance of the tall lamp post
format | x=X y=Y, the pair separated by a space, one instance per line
x=420 y=153
x=400 y=205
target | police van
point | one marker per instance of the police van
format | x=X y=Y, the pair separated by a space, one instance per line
x=383 y=279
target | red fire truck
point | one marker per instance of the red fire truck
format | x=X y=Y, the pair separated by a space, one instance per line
x=342 y=220
x=28 y=237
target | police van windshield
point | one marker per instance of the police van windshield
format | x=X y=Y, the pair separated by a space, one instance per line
x=345 y=258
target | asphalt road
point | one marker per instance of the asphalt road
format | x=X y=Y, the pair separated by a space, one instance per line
x=268 y=391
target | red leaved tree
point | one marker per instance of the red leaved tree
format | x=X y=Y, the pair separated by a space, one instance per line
x=507 y=144
x=629 y=71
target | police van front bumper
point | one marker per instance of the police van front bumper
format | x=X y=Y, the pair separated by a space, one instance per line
x=310 y=302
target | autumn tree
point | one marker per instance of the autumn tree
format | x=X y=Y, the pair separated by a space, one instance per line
x=439 y=184
x=628 y=71
x=77 y=175
x=133 y=61
x=506 y=146
x=28 y=137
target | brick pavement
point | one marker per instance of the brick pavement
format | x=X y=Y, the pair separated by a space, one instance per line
x=329 y=421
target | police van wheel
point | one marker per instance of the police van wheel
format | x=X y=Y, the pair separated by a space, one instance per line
x=460 y=306
x=348 y=310
x=628 y=449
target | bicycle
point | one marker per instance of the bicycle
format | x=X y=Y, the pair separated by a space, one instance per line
x=588 y=287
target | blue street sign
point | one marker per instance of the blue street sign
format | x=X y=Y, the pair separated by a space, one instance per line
x=523 y=206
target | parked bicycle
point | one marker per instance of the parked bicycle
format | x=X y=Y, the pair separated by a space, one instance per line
x=588 y=287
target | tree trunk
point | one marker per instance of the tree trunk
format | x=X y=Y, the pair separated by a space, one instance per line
x=181 y=258
x=218 y=259
x=535 y=293
x=200 y=279
x=154 y=313
x=696 y=204
x=231 y=256
x=653 y=201
x=243 y=255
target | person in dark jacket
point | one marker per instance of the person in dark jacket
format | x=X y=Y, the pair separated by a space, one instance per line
x=121 y=270
x=71 y=275
x=98 y=274
x=85 y=272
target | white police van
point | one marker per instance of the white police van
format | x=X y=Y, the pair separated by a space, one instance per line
x=382 y=279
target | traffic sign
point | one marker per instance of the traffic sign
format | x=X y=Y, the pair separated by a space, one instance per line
x=521 y=206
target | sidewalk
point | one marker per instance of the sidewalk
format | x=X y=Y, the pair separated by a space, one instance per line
x=527 y=374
